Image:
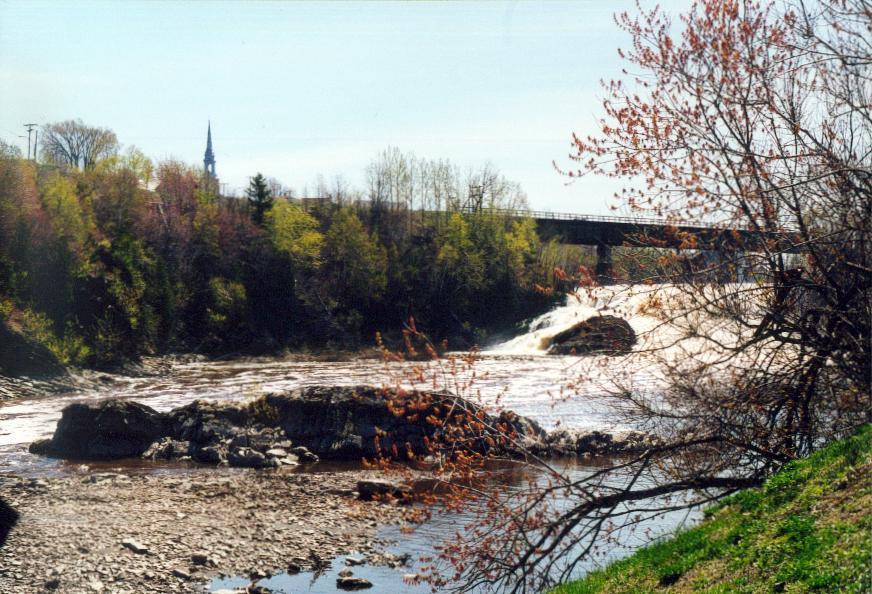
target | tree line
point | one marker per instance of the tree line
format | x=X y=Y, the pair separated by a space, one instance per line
x=105 y=255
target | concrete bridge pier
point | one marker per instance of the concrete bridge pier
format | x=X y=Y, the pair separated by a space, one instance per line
x=605 y=274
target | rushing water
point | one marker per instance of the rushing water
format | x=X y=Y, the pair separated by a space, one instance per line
x=517 y=375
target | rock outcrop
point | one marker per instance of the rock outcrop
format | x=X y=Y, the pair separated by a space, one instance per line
x=601 y=335
x=21 y=356
x=304 y=425
x=105 y=430
x=300 y=426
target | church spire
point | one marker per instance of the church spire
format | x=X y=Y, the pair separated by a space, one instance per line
x=209 y=157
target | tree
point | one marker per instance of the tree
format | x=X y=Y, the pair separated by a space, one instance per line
x=259 y=198
x=755 y=117
x=355 y=263
x=295 y=232
x=73 y=144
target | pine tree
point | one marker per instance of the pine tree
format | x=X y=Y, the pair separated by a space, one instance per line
x=259 y=198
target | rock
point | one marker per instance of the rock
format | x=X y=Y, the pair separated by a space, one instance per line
x=8 y=518
x=181 y=574
x=341 y=422
x=607 y=335
x=323 y=422
x=167 y=449
x=598 y=443
x=345 y=573
x=249 y=458
x=304 y=455
x=293 y=568
x=352 y=583
x=136 y=547
x=380 y=489
x=210 y=455
x=354 y=561
x=105 y=430
x=40 y=447
x=52 y=584
x=22 y=356
x=201 y=558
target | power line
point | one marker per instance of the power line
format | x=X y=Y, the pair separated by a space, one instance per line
x=30 y=128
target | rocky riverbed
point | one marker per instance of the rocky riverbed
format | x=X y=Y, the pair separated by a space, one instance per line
x=129 y=532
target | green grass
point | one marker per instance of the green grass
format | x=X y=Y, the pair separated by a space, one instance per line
x=808 y=529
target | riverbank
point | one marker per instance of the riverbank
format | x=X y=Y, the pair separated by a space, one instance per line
x=133 y=532
x=809 y=528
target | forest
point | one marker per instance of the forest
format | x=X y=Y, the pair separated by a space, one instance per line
x=106 y=256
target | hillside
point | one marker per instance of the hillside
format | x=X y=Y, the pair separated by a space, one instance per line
x=808 y=529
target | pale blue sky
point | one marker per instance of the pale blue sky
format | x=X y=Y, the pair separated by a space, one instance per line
x=300 y=89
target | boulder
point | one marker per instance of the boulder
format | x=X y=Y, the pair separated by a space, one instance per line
x=21 y=356
x=8 y=518
x=105 y=430
x=601 y=335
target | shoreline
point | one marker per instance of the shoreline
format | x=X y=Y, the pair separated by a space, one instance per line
x=194 y=526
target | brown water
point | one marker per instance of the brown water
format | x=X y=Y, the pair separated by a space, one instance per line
x=528 y=384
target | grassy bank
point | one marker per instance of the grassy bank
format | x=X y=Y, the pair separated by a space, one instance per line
x=808 y=529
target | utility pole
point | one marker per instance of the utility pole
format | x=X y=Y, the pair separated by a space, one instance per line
x=30 y=128
x=35 y=143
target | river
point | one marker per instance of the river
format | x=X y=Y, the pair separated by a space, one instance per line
x=516 y=375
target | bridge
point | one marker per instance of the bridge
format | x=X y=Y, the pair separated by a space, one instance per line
x=606 y=232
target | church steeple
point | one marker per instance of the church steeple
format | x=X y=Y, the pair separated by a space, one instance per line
x=209 y=157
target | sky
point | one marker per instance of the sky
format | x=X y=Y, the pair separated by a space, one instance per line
x=300 y=89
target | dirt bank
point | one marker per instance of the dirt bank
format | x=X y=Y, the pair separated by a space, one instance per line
x=160 y=533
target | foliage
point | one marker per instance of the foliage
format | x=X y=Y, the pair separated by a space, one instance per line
x=295 y=233
x=809 y=528
x=120 y=257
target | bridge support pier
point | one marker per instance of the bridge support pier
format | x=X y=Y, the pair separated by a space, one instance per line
x=605 y=274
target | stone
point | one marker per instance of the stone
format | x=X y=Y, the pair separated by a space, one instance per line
x=248 y=458
x=345 y=573
x=181 y=574
x=354 y=561
x=277 y=453
x=136 y=547
x=304 y=455
x=167 y=449
x=352 y=583
x=210 y=455
x=105 y=430
x=369 y=489
x=201 y=558
x=601 y=335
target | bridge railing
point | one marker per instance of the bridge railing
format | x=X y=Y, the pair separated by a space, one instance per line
x=566 y=216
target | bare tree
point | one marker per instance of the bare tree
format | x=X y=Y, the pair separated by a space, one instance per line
x=74 y=144
x=755 y=117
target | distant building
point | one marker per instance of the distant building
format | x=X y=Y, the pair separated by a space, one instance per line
x=209 y=157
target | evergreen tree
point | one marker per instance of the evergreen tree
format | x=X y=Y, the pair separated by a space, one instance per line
x=259 y=198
